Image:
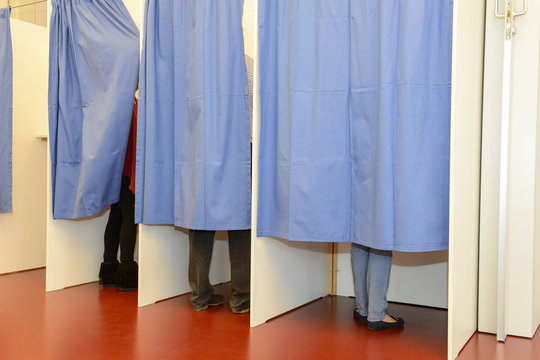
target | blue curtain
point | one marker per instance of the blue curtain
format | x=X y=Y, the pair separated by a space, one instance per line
x=193 y=146
x=93 y=69
x=355 y=127
x=6 y=111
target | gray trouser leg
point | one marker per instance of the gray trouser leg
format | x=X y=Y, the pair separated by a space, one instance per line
x=240 y=256
x=201 y=245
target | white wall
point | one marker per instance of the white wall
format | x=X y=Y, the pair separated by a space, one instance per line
x=249 y=23
x=420 y=278
x=34 y=14
x=521 y=215
x=135 y=10
x=522 y=221
x=22 y=233
x=416 y=278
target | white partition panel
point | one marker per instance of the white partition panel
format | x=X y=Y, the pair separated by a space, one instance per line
x=536 y=301
x=163 y=256
x=416 y=278
x=163 y=262
x=284 y=274
x=22 y=233
x=75 y=247
x=467 y=80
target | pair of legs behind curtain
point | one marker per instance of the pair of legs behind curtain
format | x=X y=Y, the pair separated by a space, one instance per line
x=121 y=230
x=371 y=274
x=201 y=245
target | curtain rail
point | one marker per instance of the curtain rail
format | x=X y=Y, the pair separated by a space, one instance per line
x=32 y=3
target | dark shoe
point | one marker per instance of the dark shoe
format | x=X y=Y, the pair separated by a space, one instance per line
x=243 y=308
x=381 y=325
x=215 y=300
x=127 y=276
x=361 y=318
x=107 y=272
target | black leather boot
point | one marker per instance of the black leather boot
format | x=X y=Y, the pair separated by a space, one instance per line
x=107 y=273
x=127 y=276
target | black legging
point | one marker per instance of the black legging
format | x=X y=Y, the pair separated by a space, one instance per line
x=121 y=228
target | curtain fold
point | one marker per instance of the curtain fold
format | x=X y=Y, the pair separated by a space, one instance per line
x=6 y=112
x=304 y=156
x=93 y=69
x=355 y=122
x=193 y=137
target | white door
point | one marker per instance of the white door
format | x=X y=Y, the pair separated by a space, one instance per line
x=516 y=309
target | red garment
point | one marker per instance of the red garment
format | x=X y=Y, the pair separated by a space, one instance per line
x=131 y=151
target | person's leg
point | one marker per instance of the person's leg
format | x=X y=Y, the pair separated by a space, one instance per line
x=378 y=278
x=112 y=233
x=240 y=256
x=359 y=262
x=109 y=265
x=201 y=245
x=127 y=274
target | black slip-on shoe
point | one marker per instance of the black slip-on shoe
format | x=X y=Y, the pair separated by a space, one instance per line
x=381 y=325
x=361 y=318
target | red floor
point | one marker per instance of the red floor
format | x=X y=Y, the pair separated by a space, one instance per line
x=90 y=322
x=485 y=346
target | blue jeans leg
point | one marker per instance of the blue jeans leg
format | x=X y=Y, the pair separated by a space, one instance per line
x=359 y=261
x=371 y=273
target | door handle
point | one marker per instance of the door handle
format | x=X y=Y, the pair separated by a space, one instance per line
x=509 y=15
x=509 y=5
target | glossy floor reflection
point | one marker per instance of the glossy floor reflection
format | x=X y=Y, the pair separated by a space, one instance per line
x=92 y=322
x=485 y=346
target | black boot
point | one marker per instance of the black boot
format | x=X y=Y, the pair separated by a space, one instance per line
x=127 y=276
x=107 y=273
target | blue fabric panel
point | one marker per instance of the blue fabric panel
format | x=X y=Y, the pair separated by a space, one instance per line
x=400 y=123
x=304 y=158
x=193 y=146
x=93 y=69
x=6 y=112
x=355 y=124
